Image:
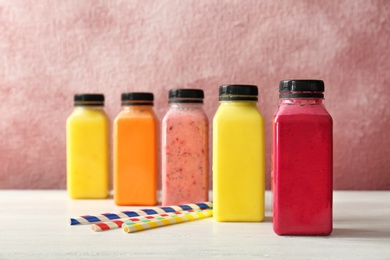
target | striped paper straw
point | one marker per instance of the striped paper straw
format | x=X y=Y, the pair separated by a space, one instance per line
x=89 y=219
x=104 y=226
x=160 y=221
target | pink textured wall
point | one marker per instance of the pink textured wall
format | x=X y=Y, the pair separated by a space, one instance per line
x=50 y=50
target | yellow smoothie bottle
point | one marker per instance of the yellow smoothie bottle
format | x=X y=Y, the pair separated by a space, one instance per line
x=238 y=156
x=87 y=151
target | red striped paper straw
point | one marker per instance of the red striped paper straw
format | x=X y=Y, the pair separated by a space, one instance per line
x=115 y=224
x=89 y=219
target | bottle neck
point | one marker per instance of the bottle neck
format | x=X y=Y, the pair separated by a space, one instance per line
x=238 y=103
x=301 y=94
x=300 y=101
x=185 y=100
x=186 y=105
x=137 y=108
x=89 y=107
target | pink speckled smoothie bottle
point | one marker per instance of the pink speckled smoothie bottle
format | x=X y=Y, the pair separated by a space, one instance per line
x=302 y=160
x=185 y=167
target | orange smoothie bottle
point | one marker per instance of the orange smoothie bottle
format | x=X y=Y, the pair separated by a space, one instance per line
x=136 y=151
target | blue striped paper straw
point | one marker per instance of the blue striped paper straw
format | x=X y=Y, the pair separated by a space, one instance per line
x=89 y=219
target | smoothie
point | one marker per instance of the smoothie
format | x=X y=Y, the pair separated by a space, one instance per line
x=87 y=153
x=135 y=156
x=185 y=168
x=302 y=168
x=238 y=159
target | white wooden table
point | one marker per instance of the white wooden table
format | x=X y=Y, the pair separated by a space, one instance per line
x=34 y=225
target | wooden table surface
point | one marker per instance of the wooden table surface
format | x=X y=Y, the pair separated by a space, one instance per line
x=34 y=225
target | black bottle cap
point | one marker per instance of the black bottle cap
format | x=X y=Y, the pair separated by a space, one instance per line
x=186 y=96
x=238 y=92
x=89 y=100
x=137 y=98
x=310 y=88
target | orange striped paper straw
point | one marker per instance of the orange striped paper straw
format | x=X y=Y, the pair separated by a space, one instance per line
x=115 y=224
x=130 y=227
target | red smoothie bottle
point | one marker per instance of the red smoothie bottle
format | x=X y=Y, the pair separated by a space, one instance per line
x=302 y=160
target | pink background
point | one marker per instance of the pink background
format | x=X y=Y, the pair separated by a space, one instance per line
x=50 y=50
